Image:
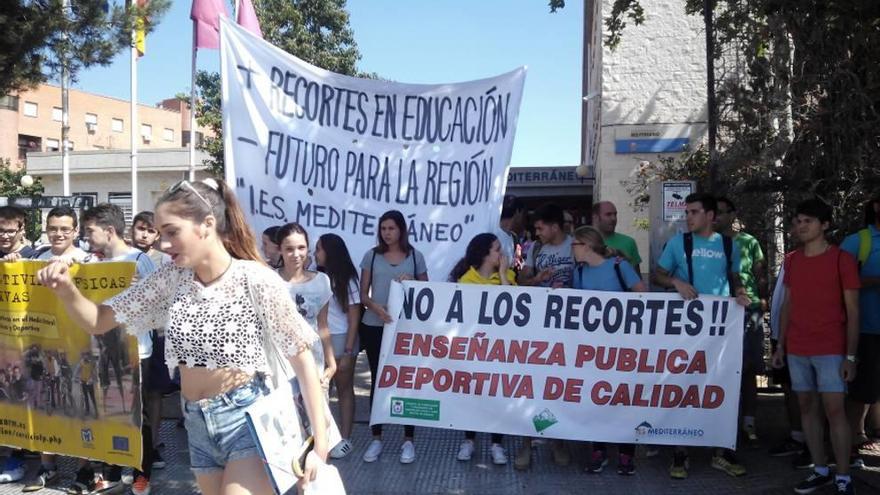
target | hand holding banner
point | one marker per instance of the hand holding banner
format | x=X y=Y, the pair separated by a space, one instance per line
x=56 y=393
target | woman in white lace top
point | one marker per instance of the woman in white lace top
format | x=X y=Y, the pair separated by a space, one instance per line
x=217 y=301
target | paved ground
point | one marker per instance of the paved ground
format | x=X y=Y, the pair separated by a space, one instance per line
x=437 y=471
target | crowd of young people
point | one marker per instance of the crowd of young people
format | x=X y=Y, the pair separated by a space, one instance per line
x=197 y=256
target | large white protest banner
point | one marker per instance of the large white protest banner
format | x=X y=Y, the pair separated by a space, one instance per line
x=583 y=365
x=334 y=152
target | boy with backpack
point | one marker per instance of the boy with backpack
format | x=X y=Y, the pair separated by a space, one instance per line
x=702 y=261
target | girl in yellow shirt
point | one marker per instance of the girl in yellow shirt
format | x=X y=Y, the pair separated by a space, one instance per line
x=483 y=263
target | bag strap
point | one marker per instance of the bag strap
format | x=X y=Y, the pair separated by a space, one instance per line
x=535 y=251
x=864 y=246
x=619 y=274
x=689 y=255
x=727 y=242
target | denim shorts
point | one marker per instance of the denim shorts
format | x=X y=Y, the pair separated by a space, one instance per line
x=816 y=373
x=217 y=429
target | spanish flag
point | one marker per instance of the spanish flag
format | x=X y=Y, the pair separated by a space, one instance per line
x=140 y=31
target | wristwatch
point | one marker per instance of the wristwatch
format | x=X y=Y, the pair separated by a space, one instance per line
x=851 y=358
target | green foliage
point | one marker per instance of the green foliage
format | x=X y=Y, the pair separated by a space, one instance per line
x=209 y=114
x=38 y=38
x=10 y=187
x=798 y=99
x=10 y=182
x=690 y=165
x=316 y=31
x=615 y=23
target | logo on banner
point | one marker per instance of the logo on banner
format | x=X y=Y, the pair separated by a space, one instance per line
x=544 y=420
x=88 y=438
x=120 y=443
x=645 y=429
x=428 y=410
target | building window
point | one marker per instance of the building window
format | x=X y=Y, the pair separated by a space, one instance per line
x=122 y=200
x=185 y=138
x=91 y=123
x=30 y=109
x=168 y=134
x=117 y=125
x=147 y=132
x=57 y=114
x=28 y=144
x=53 y=145
x=9 y=102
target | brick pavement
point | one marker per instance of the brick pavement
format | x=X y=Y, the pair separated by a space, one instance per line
x=437 y=471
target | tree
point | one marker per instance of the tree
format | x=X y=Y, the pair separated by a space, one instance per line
x=315 y=31
x=10 y=187
x=798 y=103
x=38 y=37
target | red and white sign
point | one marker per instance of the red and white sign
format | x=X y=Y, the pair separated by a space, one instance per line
x=674 y=194
x=561 y=363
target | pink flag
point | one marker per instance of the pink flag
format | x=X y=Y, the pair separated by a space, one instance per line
x=247 y=18
x=206 y=22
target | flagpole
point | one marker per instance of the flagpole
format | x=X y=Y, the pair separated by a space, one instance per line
x=135 y=126
x=192 y=115
x=65 y=108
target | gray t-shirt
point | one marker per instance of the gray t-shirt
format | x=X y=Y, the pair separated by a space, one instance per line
x=558 y=257
x=382 y=273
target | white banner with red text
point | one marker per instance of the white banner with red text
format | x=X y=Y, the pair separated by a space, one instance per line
x=560 y=363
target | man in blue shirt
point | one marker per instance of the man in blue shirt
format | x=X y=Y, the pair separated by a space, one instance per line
x=865 y=389
x=708 y=272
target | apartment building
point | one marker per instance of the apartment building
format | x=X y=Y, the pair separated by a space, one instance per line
x=30 y=122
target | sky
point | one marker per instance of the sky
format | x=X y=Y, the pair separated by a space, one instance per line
x=422 y=41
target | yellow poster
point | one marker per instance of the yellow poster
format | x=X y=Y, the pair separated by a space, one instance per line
x=61 y=390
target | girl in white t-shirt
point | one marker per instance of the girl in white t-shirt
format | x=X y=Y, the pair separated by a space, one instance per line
x=310 y=291
x=343 y=318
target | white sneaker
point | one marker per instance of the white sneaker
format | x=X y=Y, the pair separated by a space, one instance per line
x=341 y=450
x=407 y=452
x=499 y=456
x=374 y=450
x=465 y=451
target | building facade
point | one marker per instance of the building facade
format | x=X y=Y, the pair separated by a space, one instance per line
x=644 y=100
x=30 y=122
x=105 y=175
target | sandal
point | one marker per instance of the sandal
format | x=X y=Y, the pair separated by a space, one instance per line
x=341 y=449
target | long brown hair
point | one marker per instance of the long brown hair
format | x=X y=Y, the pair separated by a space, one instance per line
x=398 y=219
x=237 y=237
x=592 y=237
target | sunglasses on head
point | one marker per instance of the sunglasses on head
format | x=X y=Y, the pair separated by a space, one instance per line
x=185 y=184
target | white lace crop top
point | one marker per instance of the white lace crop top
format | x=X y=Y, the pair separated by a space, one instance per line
x=218 y=326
